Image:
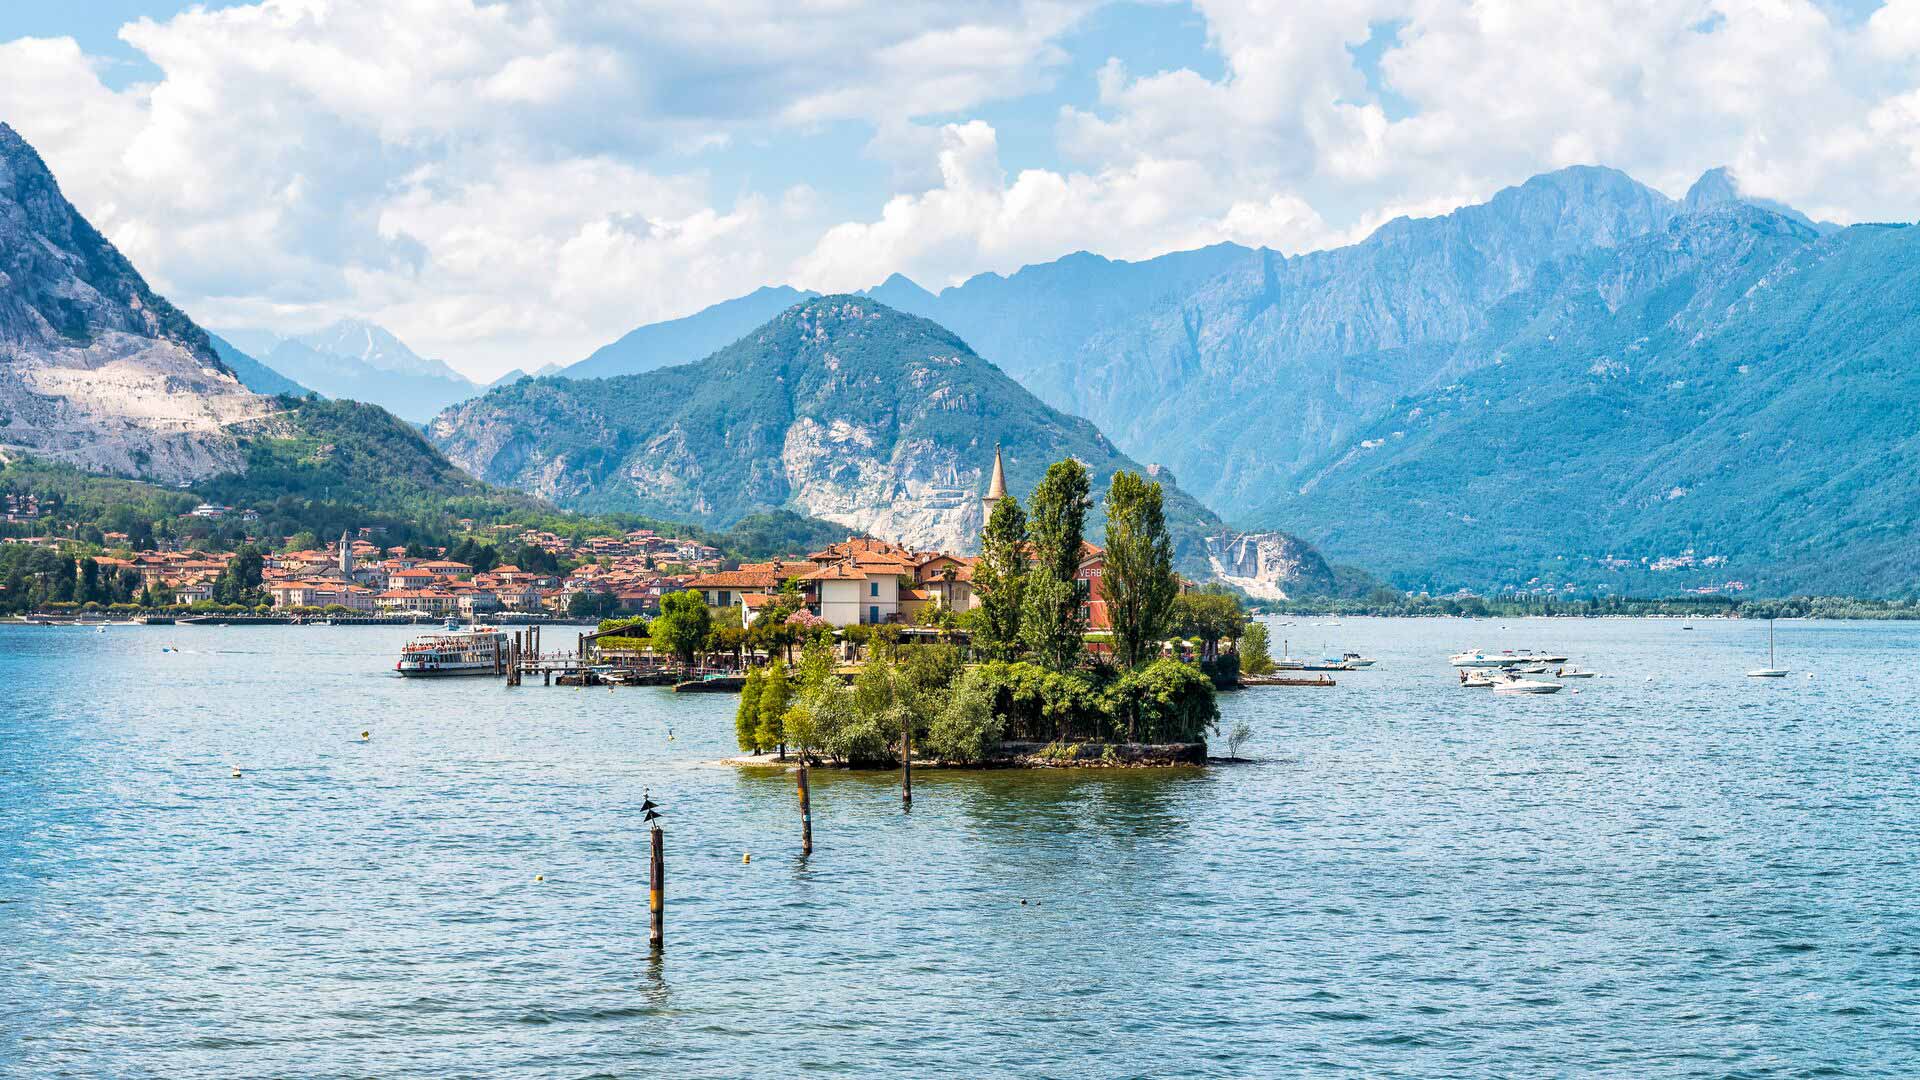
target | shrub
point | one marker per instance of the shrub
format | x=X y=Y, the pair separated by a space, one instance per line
x=1171 y=702
x=967 y=727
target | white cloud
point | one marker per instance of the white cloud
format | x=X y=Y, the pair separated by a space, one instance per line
x=471 y=174
x=508 y=183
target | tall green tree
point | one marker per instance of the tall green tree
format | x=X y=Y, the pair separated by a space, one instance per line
x=999 y=580
x=1255 y=659
x=1057 y=518
x=746 y=718
x=1138 y=582
x=776 y=696
x=683 y=624
x=1050 y=621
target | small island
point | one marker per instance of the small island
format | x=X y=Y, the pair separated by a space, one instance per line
x=1055 y=651
x=1032 y=685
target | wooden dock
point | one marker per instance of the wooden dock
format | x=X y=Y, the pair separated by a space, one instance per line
x=1285 y=680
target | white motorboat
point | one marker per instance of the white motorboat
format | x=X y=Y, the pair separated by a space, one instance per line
x=1517 y=685
x=1356 y=661
x=1574 y=673
x=1770 y=671
x=1475 y=658
x=1473 y=679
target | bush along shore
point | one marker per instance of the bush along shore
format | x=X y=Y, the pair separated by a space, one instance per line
x=1032 y=687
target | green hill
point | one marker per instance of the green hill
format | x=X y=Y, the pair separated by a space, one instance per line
x=840 y=408
x=1731 y=399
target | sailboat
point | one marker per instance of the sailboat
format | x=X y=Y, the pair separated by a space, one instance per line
x=1770 y=671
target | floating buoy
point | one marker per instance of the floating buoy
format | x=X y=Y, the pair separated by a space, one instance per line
x=236 y=772
x=539 y=878
x=365 y=735
x=746 y=857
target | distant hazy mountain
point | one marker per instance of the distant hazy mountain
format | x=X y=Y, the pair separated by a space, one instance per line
x=840 y=408
x=257 y=376
x=95 y=368
x=358 y=360
x=1731 y=398
x=682 y=341
x=517 y=374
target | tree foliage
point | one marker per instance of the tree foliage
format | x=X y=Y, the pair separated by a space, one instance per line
x=1255 y=657
x=999 y=581
x=1051 y=625
x=683 y=624
x=1212 y=614
x=746 y=718
x=1138 y=582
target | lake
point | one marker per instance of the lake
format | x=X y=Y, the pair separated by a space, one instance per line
x=1677 y=871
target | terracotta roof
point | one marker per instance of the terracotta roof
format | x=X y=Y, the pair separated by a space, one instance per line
x=836 y=572
x=743 y=578
x=759 y=600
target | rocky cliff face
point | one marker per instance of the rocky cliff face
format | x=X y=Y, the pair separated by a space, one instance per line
x=840 y=408
x=96 y=369
x=1725 y=404
x=1268 y=565
x=1237 y=366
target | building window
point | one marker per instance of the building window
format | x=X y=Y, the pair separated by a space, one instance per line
x=873 y=614
x=873 y=588
x=724 y=599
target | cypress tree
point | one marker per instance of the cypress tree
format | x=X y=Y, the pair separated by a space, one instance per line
x=1050 y=621
x=1138 y=582
x=999 y=579
x=746 y=720
x=775 y=696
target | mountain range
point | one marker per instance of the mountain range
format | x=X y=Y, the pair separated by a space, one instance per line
x=1278 y=388
x=353 y=358
x=1580 y=383
x=839 y=407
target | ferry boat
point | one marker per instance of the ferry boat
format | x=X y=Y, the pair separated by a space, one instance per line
x=478 y=651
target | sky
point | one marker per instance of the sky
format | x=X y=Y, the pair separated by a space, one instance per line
x=511 y=184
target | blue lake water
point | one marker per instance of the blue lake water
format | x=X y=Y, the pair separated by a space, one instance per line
x=1677 y=871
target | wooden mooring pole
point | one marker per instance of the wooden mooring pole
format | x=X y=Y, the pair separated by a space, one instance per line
x=906 y=764
x=806 y=813
x=657 y=892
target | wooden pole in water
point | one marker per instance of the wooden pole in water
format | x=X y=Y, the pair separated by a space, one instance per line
x=806 y=814
x=656 y=892
x=906 y=763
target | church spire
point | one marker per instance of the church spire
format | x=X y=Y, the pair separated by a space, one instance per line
x=997 y=487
